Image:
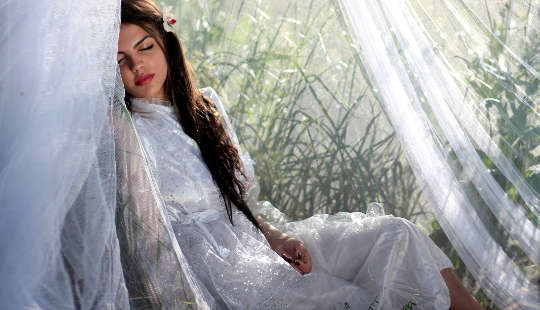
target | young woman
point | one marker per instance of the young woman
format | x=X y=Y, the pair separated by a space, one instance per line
x=344 y=261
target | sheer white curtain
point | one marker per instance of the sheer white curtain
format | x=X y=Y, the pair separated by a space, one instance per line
x=426 y=105
x=81 y=219
x=57 y=175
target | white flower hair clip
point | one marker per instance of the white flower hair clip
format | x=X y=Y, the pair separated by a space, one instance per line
x=168 y=23
x=168 y=20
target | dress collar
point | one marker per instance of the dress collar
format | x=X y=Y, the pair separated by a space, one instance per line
x=149 y=105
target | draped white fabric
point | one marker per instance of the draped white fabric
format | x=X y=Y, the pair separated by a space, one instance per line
x=57 y=176
x=156 y=271
x=236 y=265
x=414 y=83
x=67 y=143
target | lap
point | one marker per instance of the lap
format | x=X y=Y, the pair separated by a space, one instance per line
x=373 y=252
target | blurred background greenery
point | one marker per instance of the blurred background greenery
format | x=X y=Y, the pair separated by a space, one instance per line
x=296 y=91
x=294 y=88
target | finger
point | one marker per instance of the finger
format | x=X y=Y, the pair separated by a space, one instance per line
x=297 y=251
x=304 y=255
x=292 y=252
x=297 y=266
x=301 y=267
x=306 y=260
x=307 y=267
x=287 y=258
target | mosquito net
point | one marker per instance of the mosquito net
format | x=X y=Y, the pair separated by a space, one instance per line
x=428 y=108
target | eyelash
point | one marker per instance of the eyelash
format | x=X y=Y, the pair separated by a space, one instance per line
x=147 y=48
x=142 y=49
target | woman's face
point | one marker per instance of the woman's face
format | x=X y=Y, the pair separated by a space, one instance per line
x=142 y=63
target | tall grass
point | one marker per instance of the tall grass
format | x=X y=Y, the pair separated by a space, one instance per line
x=289 y=75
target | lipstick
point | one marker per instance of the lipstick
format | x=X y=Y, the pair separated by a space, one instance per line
x=144 y=79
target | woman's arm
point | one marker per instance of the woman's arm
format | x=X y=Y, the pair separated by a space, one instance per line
x=270 y=232
x=290 y=249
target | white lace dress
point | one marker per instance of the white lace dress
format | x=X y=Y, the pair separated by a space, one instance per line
x=359 y=261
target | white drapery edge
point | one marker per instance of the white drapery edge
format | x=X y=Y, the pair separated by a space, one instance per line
x=57 y=182
x=188 y=275
x=479 y=135
x=501 y=279
x=431 y=74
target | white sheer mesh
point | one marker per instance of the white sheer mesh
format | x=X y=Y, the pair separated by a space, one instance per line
x=65 y=136
x=157 y=273
x=426 y=106
x=58 y=185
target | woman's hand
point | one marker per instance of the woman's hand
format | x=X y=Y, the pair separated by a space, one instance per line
x=290 y=249
x=294 y=252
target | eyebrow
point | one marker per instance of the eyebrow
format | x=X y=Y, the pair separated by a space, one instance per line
x=139 y=42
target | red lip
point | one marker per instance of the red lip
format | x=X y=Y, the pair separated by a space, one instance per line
x=144 y=79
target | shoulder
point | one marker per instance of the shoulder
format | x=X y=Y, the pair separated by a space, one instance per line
x=212 y=94
x=209 y=92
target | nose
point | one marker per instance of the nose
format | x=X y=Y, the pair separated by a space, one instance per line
x=137 y=64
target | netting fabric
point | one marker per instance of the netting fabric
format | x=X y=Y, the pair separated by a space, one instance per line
x=57 y=171
x=454 y=151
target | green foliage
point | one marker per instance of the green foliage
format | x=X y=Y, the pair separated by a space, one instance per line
x=509 y=94
x=508 y=91
x=300 y=105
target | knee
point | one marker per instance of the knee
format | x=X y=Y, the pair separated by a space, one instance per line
x=392 y=223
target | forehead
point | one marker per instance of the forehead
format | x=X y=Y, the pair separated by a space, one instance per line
x=129 y=35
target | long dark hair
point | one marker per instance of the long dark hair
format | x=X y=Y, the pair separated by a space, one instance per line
x=198 y=115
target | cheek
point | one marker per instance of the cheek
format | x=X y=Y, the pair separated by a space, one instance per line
x=124 y=73
x=161 y=67
x=164 y=65
x=127 y=78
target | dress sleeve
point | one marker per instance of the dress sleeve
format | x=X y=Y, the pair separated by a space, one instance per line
x=211 y=93
x=441 y=260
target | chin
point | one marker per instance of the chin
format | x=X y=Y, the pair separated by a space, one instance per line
x=152 y=92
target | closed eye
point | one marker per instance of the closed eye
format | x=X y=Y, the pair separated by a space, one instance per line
x=142 y=49
x=147 y=48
